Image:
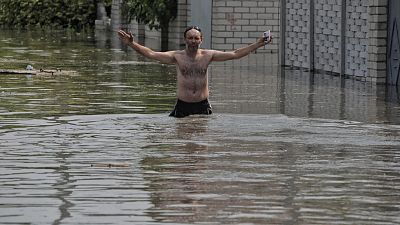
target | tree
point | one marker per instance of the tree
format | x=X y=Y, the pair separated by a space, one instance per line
x=76 y=14
x=155 y=13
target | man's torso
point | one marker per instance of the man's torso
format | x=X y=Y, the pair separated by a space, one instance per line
x=192 y=75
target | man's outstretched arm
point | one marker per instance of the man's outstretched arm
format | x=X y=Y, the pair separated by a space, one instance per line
x=163 y=57
x=241 y=52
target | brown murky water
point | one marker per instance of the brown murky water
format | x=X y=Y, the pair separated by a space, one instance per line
x=282 y=147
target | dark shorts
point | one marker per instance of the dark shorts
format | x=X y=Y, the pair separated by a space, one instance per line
x=183 y=109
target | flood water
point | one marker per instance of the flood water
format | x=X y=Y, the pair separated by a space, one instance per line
x=283 y=146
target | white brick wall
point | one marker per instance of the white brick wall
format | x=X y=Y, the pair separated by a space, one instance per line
x=234 y=23
x=238 y=23
x=116 y=20
x=377 y=40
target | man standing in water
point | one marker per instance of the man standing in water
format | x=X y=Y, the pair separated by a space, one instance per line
x=192 y=68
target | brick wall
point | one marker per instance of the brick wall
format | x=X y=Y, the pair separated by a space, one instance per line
x=180 y=23
x=116 y=16
x=239 y=23
x=377 y=40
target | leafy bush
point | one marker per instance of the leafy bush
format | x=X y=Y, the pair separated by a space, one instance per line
x=155 y=13
x=75 y=14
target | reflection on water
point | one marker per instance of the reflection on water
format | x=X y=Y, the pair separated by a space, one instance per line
x=283 y=147
x=302 y=94
x=226 y=168
x=101 y=86
x=111 y=80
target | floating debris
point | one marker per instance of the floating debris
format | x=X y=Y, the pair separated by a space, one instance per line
x=109 y=165
x=134 y=63
x=40 y=72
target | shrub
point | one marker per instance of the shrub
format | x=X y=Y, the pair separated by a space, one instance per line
x=76 y=14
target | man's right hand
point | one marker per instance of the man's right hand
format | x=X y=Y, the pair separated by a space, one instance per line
x=125 y=37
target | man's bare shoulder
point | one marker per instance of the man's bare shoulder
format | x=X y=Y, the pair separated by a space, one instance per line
x=211 y=52
x=217 y=55
x=208 y=51
x=178 y=52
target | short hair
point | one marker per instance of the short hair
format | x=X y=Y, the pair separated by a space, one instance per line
x=191 y=27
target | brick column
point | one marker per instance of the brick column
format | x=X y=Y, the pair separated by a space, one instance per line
x=178 y=26
x=116 y=16
x=377 y=38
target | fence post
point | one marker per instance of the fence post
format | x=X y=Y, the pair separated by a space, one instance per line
x=343 y=39
x=283 y=33
x=312 y=31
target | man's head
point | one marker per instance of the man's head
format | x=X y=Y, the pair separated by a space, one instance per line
x=193 y=38
x=192 y=28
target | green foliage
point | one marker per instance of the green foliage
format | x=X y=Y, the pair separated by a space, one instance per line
x=75 y=14
x=155 y=13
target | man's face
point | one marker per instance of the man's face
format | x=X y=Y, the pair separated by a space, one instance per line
x=193 y=39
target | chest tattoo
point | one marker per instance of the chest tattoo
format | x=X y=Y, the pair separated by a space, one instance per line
x=193 y=71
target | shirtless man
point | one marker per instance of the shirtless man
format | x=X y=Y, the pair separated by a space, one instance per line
x=192 y=68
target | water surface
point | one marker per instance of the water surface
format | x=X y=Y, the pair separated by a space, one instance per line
x=282 y=147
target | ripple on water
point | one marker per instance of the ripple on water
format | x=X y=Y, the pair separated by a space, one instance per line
x=225 y=168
